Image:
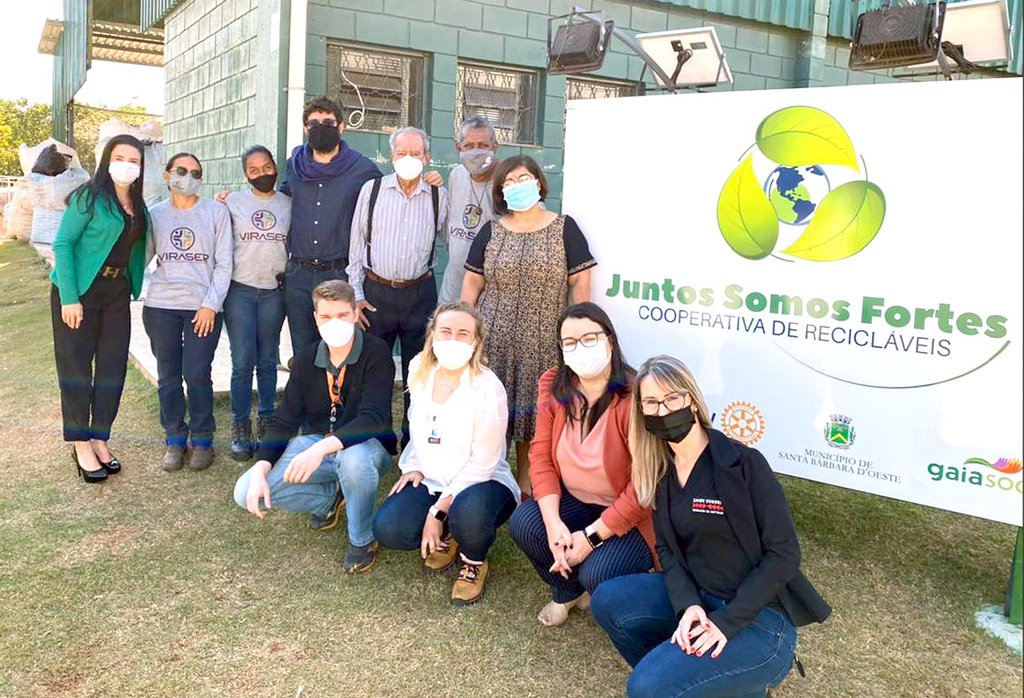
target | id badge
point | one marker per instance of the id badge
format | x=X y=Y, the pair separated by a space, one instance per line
x=435 y=436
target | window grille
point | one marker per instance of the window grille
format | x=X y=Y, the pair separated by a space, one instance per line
x=592 y=88
x=506 y=97
x=390 y=84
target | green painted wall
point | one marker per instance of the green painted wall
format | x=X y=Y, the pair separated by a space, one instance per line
x=210 y=75
x=514 y=33
x=225 y=87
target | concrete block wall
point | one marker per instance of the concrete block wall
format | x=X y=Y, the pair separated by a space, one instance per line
x=210 y=74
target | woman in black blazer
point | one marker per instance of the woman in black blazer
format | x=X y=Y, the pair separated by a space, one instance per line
x=720 y=619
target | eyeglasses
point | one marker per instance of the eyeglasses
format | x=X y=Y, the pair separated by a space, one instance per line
x=672 y=403
x=329 y=123
x=512 y=181
x=182 y=171
x=588 y=340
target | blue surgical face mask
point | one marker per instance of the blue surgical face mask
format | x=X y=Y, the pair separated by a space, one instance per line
x=522 y=196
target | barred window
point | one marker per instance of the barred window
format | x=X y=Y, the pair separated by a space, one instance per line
x=594 y=88
x=390 y=84
x=507 y=97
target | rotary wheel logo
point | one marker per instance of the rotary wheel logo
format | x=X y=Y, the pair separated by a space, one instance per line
x=743 y=422
x=183 y=238
x=800 y=152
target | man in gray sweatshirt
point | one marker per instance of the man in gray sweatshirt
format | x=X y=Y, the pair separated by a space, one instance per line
x=192 y=242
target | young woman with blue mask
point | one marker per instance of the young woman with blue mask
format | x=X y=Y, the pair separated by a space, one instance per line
x=521 y=272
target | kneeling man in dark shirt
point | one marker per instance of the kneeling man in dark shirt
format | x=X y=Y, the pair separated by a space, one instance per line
x=339 y=393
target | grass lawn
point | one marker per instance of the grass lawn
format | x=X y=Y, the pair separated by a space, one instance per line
x=156 y=584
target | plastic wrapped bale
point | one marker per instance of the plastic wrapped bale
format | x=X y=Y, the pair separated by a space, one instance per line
x=48 y=195
x=154 y=188
x=28 y=155
x=8 y=207
x=151 y=133
x=19 y=224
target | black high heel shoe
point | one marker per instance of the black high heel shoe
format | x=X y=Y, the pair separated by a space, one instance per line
x=90 y=476
x=112 y=466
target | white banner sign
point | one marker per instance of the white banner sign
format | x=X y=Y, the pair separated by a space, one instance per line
x=840 y=267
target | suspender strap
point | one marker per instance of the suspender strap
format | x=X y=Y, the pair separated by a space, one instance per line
x=374 y=191
x=435 y=200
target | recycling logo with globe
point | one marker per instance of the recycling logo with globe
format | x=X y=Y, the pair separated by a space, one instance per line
x=805 y=145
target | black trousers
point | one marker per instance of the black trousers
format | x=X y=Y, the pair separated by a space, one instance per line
x=89 y=398
x=402 y=314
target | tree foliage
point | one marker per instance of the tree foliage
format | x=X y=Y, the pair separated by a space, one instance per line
x=87 y=127
x=20 y=123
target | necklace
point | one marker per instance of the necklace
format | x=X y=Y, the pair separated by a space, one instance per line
x=479 y=199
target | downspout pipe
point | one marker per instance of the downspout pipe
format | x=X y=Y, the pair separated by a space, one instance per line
x=296 y=87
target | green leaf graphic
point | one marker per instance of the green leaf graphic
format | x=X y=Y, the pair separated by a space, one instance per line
x=745 y=215
x=846 y=221
x=798 y=136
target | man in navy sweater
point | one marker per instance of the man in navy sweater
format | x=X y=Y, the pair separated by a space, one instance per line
x=323 y=178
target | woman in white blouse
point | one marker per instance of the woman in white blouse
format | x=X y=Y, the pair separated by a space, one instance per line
x=456 y=487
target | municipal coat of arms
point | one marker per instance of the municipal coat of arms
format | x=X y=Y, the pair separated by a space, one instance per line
x=839 y=431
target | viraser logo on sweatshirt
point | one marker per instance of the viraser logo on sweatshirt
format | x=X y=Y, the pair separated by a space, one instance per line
x=183 y=240
x=800 y=146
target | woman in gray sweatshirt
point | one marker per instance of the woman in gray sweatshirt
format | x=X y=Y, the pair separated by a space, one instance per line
x=192 y=242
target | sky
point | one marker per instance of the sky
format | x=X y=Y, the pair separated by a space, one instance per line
x=24 y=72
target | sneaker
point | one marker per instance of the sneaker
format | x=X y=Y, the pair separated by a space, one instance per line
x=360 y=558
x=241 y=440
x=202 y=458
x=444 y=557
x=174 y=458
x=262 y=425
x=333 y=517
x=469 y=587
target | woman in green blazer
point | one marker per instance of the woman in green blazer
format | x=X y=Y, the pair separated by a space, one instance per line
x=100 y=257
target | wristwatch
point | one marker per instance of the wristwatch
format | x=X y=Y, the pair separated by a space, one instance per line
x=593 y=537
x=438 y=514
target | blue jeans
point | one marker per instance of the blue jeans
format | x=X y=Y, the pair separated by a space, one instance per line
x=473 y=520
x=253 y=318
x=636 y=613
x=618 y=555
x=299 y=283
x=182 y=354
x=357 y=469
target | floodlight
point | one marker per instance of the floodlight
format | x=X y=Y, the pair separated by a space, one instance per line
x=578 y=46
x=892 y=37
x=687 y=57
x=980 y=30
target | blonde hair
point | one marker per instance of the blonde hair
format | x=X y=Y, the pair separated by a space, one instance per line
x=427 y=359
x=651 y=455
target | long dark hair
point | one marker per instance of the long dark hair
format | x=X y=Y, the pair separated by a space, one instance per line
x=102 y=186
x=565 y=388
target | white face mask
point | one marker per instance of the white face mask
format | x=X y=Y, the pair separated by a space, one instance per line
x=453 y=354
x=587 y=362
x=408 y=168
x=337 y=333
x=123 y=172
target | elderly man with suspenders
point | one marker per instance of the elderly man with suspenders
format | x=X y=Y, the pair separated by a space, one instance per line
x=391 y=250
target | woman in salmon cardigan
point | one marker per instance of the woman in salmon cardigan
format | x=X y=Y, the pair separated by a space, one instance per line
x=584 y=524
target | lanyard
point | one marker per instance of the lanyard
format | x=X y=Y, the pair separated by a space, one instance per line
x=334 y=393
